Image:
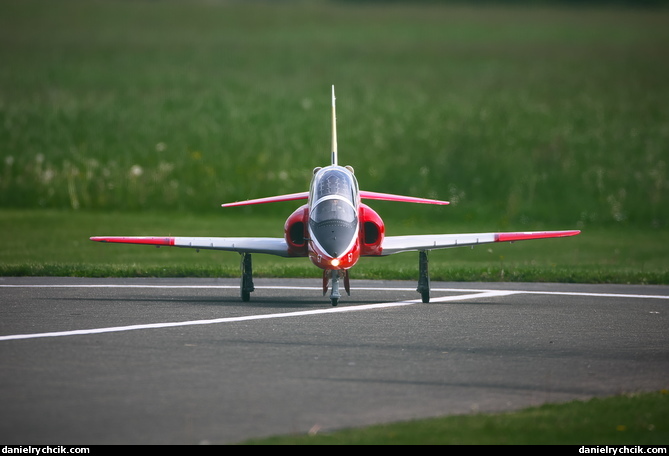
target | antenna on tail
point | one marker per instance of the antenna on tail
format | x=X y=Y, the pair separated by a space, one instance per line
x=334 y=130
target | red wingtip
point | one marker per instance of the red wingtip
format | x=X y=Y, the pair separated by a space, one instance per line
x=147 y=240
x=510 y=237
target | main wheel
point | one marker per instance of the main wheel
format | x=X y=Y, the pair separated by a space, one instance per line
x=426 y=296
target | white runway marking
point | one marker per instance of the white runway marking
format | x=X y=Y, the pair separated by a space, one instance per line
x=474 y=294
x=249 y=317
x=456 y=290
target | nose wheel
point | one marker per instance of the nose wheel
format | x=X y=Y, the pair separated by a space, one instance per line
x=335 y=275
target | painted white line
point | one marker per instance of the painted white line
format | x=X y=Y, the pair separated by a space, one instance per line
x=566 y=293
x=279 y=287
x=475 y=293
x=563 y=293
x=329 y=310
x=599 y=295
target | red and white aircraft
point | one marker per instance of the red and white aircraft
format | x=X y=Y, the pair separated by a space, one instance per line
x=334 y=229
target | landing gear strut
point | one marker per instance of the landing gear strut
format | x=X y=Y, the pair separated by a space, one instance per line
x=334 y=295
x=335 y=275
x=246 y=285
x=423 y=276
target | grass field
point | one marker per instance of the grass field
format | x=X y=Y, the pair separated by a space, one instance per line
x=525 y=118
x=519 y=116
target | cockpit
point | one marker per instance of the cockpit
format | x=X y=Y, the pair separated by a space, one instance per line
x=333 y=216
x=333 y=181
x=333 y=208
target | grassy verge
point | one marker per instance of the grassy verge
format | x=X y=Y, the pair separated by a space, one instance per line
x=55 y=243
x=636 y=419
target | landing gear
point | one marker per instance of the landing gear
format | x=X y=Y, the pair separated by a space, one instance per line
x=246 y=285
x=334 y=295
x=335 y=275
x=423 y=276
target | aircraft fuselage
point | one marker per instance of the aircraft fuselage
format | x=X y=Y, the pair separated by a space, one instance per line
x=333 y=225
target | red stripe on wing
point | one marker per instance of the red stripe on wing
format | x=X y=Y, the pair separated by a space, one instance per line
x=148 y=240
x=510 y=237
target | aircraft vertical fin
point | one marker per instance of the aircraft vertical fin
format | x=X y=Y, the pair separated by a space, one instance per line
x=334 y=130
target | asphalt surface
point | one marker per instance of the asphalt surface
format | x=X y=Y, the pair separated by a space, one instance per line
x=184 y=361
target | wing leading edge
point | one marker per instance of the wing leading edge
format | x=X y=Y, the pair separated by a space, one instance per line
x=363 y=194
x=398 y=244
x=272 y=246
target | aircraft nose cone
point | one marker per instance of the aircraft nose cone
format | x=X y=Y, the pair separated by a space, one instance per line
x=334 y=239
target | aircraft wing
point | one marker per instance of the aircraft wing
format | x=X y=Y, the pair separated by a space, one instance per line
x=270 y=199
x=401 y=198
x=363 y=194
x=272 y=246
x=397 y=244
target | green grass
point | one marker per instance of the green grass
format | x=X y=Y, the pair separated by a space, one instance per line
x=56 y=243
x=635 y=419
x=518 y=115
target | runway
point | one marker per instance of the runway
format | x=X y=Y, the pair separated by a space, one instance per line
x=184 y=361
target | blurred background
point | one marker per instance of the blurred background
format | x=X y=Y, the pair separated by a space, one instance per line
x=524 y=114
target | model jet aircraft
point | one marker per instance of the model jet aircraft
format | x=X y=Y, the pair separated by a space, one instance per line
x=334 y=229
